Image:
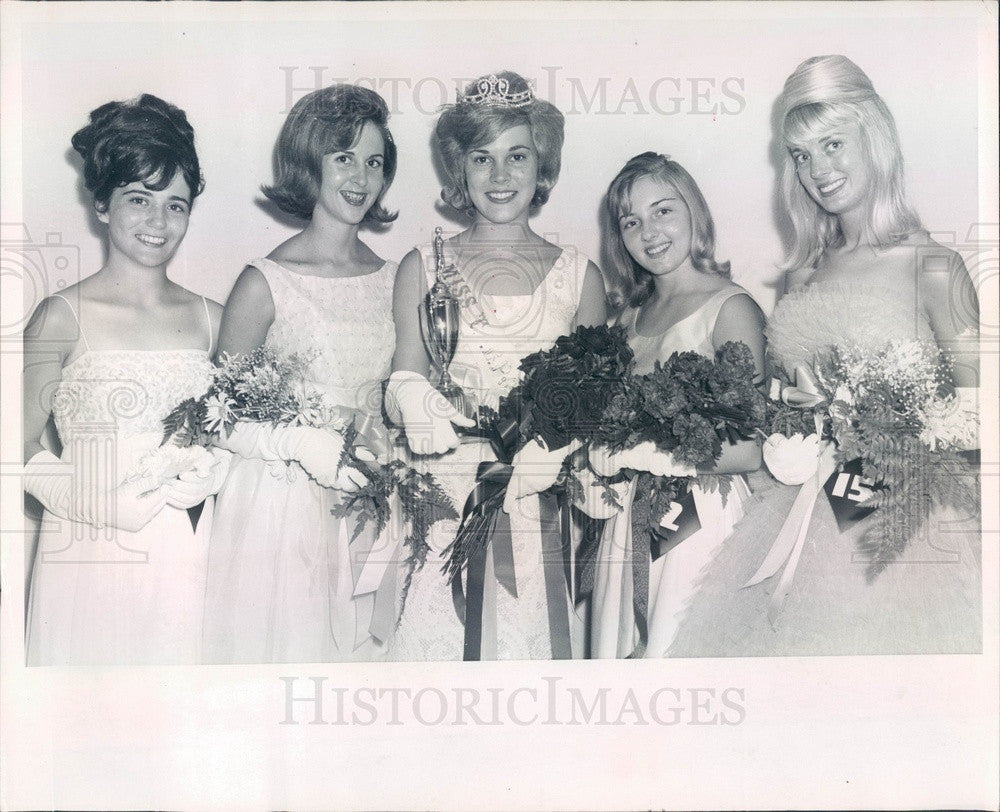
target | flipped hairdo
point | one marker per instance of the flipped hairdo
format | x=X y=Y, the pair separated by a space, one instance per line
x=324 y=121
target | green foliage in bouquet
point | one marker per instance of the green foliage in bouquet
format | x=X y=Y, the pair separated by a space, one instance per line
x=264 y=387
x=422 y=499
x=260 y=387
x=782 y=418
x=891 y=410
x=688 y=405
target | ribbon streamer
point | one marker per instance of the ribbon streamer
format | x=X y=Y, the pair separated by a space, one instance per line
x=374 y=565
x=490 y=561
x=787 y=546
x=805 y=394
x=485 y=528
x=557 y=567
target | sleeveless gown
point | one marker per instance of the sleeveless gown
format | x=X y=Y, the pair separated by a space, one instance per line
x=486 y=366
x=674 y=576
x=110 y=596
x=281 y=574
x=928 y=601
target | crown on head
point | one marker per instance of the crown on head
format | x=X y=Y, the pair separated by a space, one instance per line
x=494 y=91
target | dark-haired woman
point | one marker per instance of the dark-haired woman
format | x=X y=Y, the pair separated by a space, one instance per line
x=119 y=575
x=281 y=585
x=501 y=148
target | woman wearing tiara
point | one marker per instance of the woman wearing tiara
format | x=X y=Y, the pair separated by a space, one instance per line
x=500 y=147
x=119 y=576
x=282 y=577
x=862 y=272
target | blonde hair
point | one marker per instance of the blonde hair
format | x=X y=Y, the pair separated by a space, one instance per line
x=825 y=92
x=466 y=126
x=632 y=283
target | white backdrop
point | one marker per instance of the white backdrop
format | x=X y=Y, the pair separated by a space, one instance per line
x=833 y=732
x=673 y=80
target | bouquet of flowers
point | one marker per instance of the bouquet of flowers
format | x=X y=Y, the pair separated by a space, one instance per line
x=891 y=411
x=560 y=402
x=580 y=400
x=259 y=387
x=567 y=389
x=263 y=387
x=582 y=395
x=687 y=406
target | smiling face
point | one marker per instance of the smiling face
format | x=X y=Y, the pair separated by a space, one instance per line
x=353 y=178
x=502 y=176
x=147 y=226
x=834 y=169
x=656 y=226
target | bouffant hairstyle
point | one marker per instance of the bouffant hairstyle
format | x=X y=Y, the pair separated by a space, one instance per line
x=470 y=124
x=325 y=121
x=145 y=140
x=633 y=285
x=822 y=94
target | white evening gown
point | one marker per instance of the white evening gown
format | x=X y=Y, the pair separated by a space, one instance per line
x=282 y=574
x=112 y=597
x=486 y=365
x=674 y=576
x=929 y=601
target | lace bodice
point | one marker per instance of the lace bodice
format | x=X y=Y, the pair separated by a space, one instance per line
x=810 y=318
x=130 y=391
x=344 y=324
x=486 y=362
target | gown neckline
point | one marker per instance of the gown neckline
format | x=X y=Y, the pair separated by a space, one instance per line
x=691 y=315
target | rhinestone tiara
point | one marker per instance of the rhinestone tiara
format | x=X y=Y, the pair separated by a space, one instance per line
x=494 y=91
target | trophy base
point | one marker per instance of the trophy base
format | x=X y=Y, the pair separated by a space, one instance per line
x=458 y=398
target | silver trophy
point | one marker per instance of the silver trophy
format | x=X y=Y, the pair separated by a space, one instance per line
x=439 y=326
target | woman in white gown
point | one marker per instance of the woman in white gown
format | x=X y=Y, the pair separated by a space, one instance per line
x=282 y=576
x=500 y=147
x=862 y=271
x=679 y=299
x=119 y=574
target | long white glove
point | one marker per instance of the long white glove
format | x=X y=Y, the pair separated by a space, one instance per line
x=423 y=412
x=535 y=470
x=644 y=457
x=194 y=487
x=54 y=483
x=316 y=450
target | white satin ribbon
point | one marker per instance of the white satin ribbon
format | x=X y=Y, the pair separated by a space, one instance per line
x=787 y=546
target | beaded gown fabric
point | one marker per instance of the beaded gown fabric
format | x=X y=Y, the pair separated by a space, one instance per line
x=486 y=366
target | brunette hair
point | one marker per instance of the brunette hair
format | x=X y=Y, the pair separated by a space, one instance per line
x=145 y=140
x=324 y=121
